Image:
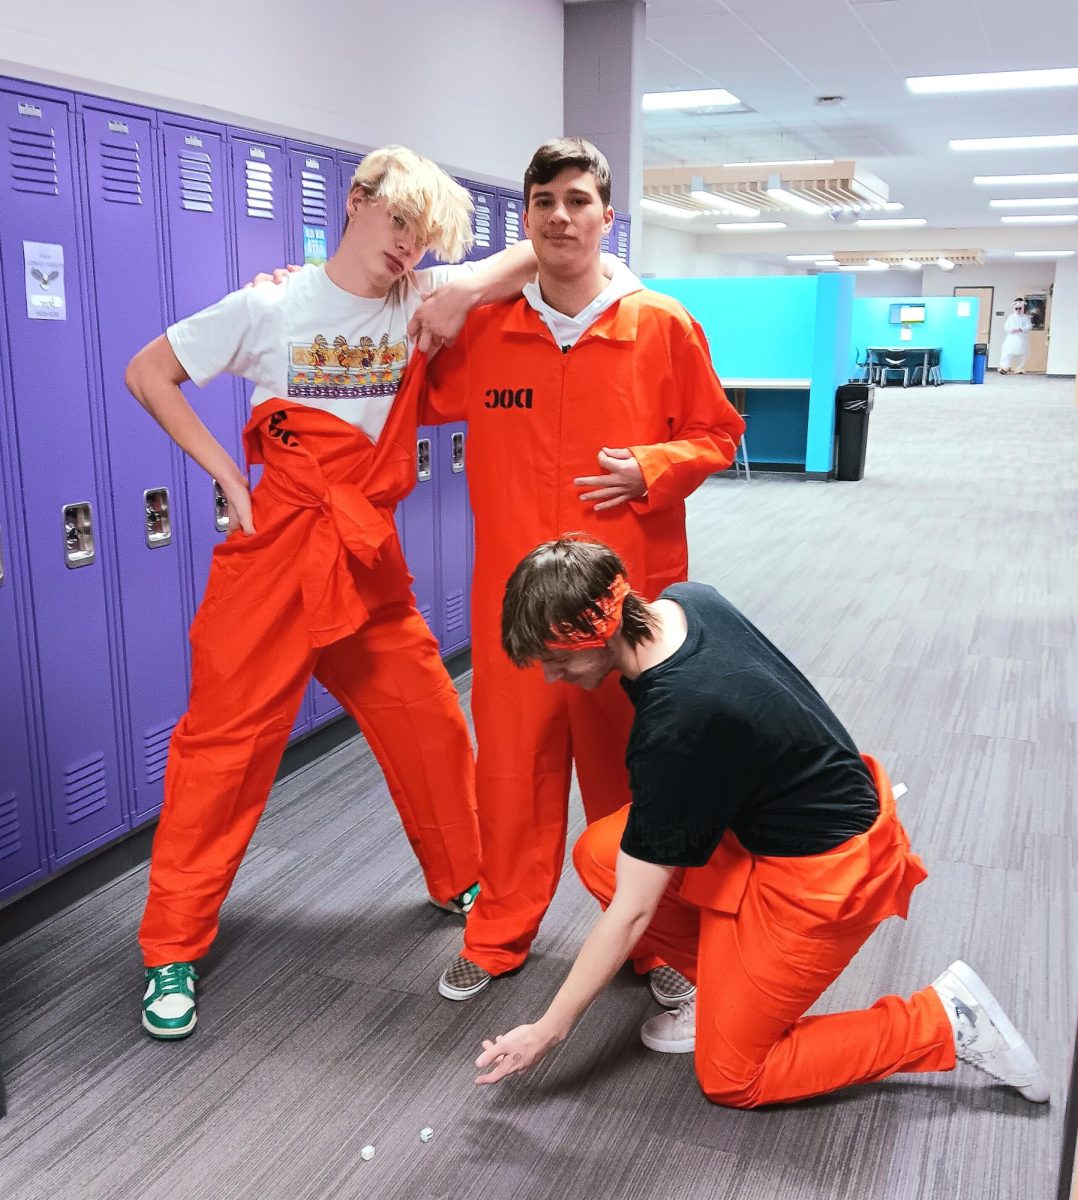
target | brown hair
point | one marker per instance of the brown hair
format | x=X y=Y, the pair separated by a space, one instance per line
x=555 y=156
x=557 y=585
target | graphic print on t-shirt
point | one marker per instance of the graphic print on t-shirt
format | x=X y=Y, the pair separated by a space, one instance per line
x=333 y=369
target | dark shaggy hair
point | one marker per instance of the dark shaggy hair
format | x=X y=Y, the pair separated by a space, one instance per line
x=557 y=585
x=554 y=156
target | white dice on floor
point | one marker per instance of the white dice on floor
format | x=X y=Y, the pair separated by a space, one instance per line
x=367 y=1153
x=425 y=1135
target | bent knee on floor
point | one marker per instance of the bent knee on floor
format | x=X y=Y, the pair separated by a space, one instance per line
x=728 y=1088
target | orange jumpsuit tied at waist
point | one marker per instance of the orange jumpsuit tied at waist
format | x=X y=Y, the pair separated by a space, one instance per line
x=763 y=937
x=639 y=377
x=320 y=588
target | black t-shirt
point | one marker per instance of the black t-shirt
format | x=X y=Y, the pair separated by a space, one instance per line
x=730 y=735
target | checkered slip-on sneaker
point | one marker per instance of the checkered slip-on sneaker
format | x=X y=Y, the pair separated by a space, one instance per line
x=168 y=1003
x=669 y=987
x=462 y=980
x=460 y=905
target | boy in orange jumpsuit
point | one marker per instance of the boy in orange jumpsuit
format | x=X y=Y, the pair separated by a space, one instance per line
x=311 y=579
x=757 y=855
x=626 y=381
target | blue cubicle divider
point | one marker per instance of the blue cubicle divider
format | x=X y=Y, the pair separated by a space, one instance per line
x=778 y=327
x=943 y=326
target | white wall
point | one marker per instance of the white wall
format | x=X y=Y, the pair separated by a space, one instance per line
x=447 y=80
x=1063 y=340
x=1010 y=279
x=887 y=283
x=672 y=253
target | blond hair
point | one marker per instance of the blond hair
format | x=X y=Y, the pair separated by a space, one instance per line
x=419 y=191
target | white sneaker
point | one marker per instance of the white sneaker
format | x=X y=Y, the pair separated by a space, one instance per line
x=672 y=1032
x=984 y=1037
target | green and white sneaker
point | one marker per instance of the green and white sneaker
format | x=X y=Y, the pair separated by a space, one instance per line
x=168 y=1004
x=460 y=905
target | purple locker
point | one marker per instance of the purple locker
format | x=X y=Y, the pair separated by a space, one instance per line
x=261 y=217
x=511 y=217
x=194 y=186
x=485 y=225
x=621 y=237
x=143 y=471
x=454 y=522
x=66 y=536
x=417 y=520
x=22 y=855
x=314 y=203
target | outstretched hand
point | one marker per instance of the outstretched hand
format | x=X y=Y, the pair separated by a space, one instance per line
x=518 y=1050
x=279 y=275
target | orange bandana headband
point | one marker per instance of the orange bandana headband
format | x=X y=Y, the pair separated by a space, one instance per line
x=565 y=637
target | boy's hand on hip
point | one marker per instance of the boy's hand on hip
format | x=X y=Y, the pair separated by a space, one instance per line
x=623 y=481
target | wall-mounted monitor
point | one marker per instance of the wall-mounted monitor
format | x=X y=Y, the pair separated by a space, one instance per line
x=907 y=314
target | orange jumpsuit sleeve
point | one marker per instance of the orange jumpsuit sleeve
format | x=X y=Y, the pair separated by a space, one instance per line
x=705 y=428
x=444 y=397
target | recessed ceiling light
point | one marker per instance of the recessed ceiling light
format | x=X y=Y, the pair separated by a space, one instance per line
x=809 y=257
x=873 y=264
x=784 y=162
x=993 y=81
x=1038 y=202
x=792 y=200
x=1058 y=177
x=1062 y=219
x=944 y=264
x=910 y=264
x=756 y=227
x=891 y=222
x=1042 y=253
x=1040 y=141
x=721 y=204
x=666 y=210
x=663 y=101
x=893 y=206
x=826 y=262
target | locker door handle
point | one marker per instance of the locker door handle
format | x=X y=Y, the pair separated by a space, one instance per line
x=458 y=453
x=422 y=460
x=78 y=534
x=220 y=509
x=158 y=521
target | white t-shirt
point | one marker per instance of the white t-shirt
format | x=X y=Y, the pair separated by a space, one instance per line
x=567 y=330
x=308 y=340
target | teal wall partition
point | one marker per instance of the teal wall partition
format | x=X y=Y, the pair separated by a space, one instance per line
x=943 y=326
x=771 y=329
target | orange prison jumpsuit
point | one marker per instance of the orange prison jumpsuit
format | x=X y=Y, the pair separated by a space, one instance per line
x=639 y=377
x=321 y=587
x=763 y=937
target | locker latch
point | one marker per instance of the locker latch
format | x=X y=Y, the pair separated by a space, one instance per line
x=458 y=453
x=78 y=535
x=220 y=508
x=158 y=522
x=422 y=459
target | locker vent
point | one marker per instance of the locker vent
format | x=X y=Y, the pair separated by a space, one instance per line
x=121 y=172
x=513 y=228
x=259 y=190
x=315 y=210
x=84 y=788
x=196 y=180
x=155 y=751
x=481 y=223
x=10 y=841
x=424 y=612
x=33 y=161
x=454 y=611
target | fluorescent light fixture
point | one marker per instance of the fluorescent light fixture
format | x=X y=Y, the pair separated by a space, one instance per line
x=809 y=257
x=664 y=101
x=826 y=262
x=1043 y=253
x=665 y=210
x=891 y=222
x=758 y=227
x=944 y=264
x=722 y=204
x=1057 y=177
x=1061 y=219
x=893 y=206
x=791 y=199
x=993 y=81
x=1041 y=141
x=1037 y=202
x=785 y=162
x=910 y=264
x=873 y=264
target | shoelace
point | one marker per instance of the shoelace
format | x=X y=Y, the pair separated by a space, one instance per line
x=686 y=1012
x=174 y=978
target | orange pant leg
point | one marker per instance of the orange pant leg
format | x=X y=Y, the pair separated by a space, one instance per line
x=389 y=675
x=251 y=661
x=757 y=972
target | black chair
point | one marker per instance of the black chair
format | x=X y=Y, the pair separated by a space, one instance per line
x=890 y=363
x=868 y=368
x=935 y=376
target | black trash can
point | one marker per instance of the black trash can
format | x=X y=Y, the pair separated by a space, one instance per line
x=854 y=403
x=980 y=361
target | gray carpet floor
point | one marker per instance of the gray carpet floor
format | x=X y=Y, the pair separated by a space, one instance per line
x=933 y=604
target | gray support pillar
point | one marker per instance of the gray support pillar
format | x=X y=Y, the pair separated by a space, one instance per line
x=604 y=45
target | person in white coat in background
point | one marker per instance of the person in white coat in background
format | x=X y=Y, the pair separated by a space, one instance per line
x=1012 y=357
